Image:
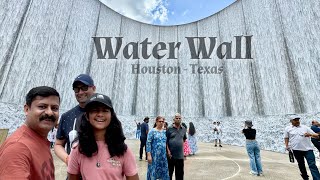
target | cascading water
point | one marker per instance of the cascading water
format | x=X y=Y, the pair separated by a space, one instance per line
x=281 y=76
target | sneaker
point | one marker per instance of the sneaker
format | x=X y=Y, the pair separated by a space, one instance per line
x=140 y=159
x=215 y=145
x=253 y=173
x=260 y=174
x=220 y=145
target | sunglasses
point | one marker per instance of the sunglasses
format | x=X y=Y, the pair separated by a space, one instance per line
x=161 y=121
x=83 y=88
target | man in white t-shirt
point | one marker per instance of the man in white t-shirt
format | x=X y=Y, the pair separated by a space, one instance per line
x=217 y=133
x=297 y=139
x=52 y=136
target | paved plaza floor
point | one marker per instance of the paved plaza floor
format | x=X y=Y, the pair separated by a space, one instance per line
x=211 y=163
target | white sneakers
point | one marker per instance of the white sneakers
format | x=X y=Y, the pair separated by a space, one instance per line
x=253 y=173
x=256 y=174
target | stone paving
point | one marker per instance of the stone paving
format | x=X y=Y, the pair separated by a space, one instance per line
x=211 y=163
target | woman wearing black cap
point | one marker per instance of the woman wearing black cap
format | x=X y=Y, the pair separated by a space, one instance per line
x=101 y=152
x=252 y=149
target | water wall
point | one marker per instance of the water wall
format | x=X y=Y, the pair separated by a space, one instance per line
x=50 y=43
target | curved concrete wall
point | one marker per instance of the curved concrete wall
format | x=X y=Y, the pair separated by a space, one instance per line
x=49 y=43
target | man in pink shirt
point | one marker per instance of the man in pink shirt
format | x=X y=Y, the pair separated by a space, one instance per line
x=26 y=153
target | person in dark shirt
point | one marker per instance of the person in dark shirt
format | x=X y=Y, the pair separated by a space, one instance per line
x=253 y=149
x=138 y=131
x=83 y=88
x=143 y=137
x=176 y=135
x=316 y=129
x=165 y=126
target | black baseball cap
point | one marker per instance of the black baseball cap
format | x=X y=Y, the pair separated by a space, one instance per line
x=101 y=98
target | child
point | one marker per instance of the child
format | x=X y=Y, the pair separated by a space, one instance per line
x=101 y=152
x=186 y=147
x=217 y=133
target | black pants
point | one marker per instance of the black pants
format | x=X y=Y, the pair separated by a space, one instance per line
x=143 y=142
x=316 y=143
x=178 y=166
x=309 y=156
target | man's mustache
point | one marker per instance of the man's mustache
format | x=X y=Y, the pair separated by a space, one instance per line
x=51 y=118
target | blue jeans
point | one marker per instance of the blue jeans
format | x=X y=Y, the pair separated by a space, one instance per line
x=300 y=155
x=254 y=155
x=138 y=133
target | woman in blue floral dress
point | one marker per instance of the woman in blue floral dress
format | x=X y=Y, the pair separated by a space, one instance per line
x=156 y=152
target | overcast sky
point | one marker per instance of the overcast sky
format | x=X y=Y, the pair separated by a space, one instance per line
x=167 y=12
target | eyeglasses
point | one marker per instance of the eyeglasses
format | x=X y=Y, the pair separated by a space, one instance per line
x=161 y=121
x=83 y=88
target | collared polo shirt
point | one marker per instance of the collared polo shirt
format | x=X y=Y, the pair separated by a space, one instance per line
x=175 y=139
x=297 y=140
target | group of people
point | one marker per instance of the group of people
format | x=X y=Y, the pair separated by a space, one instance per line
x=298 y=140
x=190 y=144
x=165 y=147
x=89 y=139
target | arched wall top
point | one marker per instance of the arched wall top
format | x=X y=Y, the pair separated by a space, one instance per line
x=210 y=16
